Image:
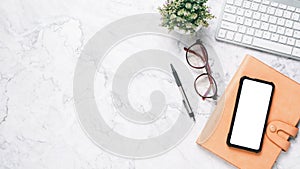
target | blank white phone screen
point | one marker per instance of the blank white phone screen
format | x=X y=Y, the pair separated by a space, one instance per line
x=251 y=114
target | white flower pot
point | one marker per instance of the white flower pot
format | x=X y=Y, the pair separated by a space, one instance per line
x=176 y=29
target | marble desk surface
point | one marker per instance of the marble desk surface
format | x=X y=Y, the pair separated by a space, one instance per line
x=40 y=42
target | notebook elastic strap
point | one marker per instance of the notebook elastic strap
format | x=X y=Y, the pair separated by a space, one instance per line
x=278 y=132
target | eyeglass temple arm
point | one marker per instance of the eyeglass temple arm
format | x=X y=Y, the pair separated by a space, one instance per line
x=209 y=88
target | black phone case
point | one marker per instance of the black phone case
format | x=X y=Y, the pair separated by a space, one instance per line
x=235 y=109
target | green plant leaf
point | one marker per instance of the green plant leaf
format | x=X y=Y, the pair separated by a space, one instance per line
x=186 y=15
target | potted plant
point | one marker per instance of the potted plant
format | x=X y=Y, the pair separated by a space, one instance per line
x=188 y=16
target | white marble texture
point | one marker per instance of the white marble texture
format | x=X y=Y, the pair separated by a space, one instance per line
x=40 y=42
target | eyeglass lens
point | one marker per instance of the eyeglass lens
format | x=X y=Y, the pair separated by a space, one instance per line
x=205 y=84
x=197 y=56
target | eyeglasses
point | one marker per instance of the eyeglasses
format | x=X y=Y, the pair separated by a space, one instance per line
x=197 y=57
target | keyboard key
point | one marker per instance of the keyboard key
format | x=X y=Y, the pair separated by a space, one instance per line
x=240 y=11
x=282 y=6
x=240 y=20
x=247 y=39
x=280 y=21
x=274 y=37
x=287 y=14
x=296 y=52
x=246 y=4
x=272 y=28
x=297 y=34
x=238 y=37
x=298 y=10
x=280 y=30
x=254 y=6
x=229 y=35
x=289 y=32
x=262 y=8
x=222 y=33
x=273 y=19
x=289 y=23
x=258 y=1
x=229 y=26
x=297 y=43
x=250 y=31
x=291 y=8
x=229 y=17
x=264 y=26
x=291 y=41
x=295 y=16
x=266 y=35
x=264 y=17
x=256 y=24
x=266 y=44
x=248 y=22
x=242 y=29
x=256 y=15
x=258 y=33
x=230 y=9
x=266 y=2
x=296 y=25
x=248 y=13
x=279 y=12
x=282 y=39
x=270 y=10
x=274 y=4
x=238 y=2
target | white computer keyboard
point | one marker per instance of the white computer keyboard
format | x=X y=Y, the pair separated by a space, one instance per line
x=262 y=24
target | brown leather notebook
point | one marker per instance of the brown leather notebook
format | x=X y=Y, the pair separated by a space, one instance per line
x=283 y=117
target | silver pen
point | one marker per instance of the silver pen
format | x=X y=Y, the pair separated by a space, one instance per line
x=185 y=100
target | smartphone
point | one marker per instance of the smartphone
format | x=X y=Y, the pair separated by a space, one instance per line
x=250 y=114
